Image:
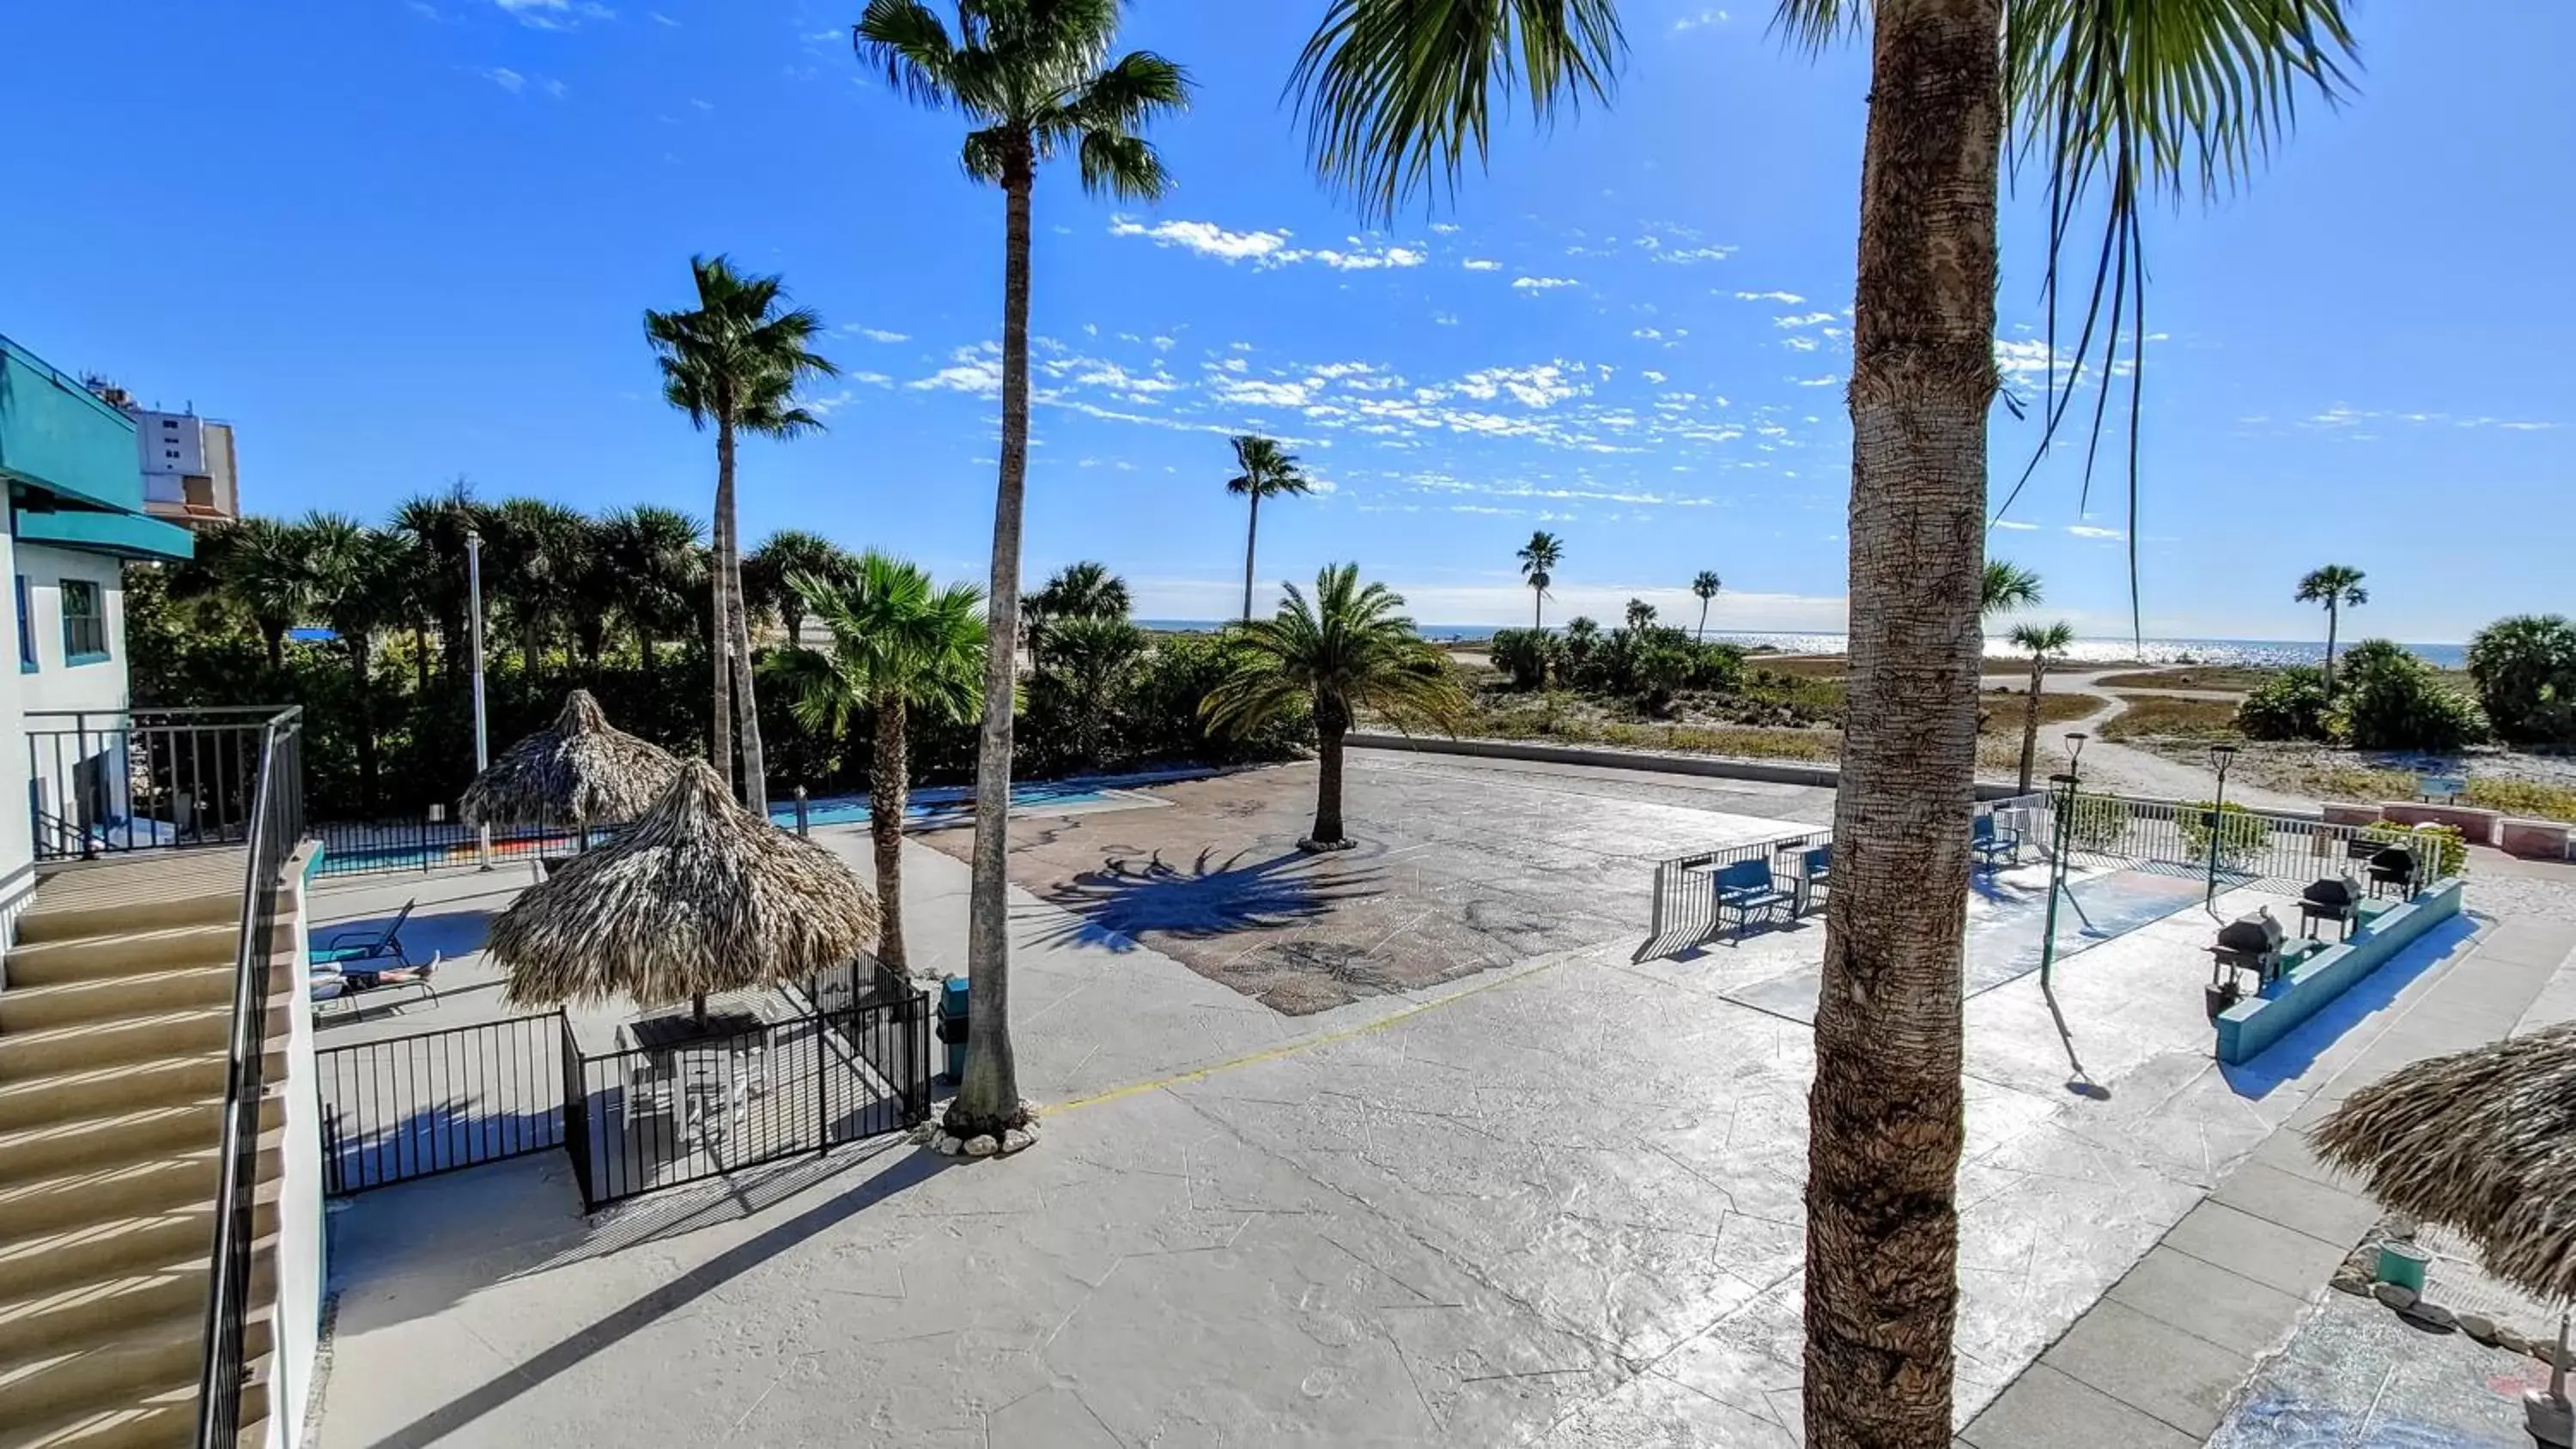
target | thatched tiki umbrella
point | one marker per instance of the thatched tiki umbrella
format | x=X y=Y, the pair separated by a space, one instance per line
x=2482 y=1141
x=578 y=770
x=700 y=896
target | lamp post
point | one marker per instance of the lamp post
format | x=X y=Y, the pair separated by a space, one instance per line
x=2220 y=757
x=482 y=749
x=2063 y=788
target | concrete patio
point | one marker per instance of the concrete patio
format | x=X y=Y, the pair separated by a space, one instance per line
x=1556 y=1201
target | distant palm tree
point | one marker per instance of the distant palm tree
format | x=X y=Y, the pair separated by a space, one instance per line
x=1267 y=472
x=354 y=575
x=2338 y=587
x=2004 y=588
x=1348 y=651
x=257 y=565
x=1706 y=587
x=658 y=558
x=1085 y=589
x=1084 y=659
x=898 y=646
x=1034 y=80
x=1640 y=614
x=736 y=360
x=2042 y=640
x=769 y=575
x=537 y=557
x=1539 y=558
x=433 y=528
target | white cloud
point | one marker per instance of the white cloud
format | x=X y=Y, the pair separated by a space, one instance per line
x=1367 y=259
x=1785 y=299
x=878 y=334
x=1700 y=20
x=1799 y=344
x=1652 y=376
x=506 y=78
x=1205 y=238
x=661 y=19
x=555 y=88
x=2087 y=530
x=702 y=105
x=1254 y=392
x=1648 y=334
x=1445 y=228
x=976 y=370
x=1481 y=264
x=1803 y=319
x=1828 y=380
x=824 y=407
x=554 y=14
x=872 y=379
x=1541 y=284
x=2016 y=525
x=1687 y=255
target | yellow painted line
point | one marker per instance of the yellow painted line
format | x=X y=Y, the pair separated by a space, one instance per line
x=1289 y=1049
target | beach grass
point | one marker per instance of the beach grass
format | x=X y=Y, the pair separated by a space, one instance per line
x=2236 y=677
x=2153 y=715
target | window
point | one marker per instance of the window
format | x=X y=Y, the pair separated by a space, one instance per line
x=26 y=627
x=169 y=452
x=170 y=424
x=84 y=622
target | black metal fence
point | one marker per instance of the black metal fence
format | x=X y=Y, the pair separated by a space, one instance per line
x=416 y=1106
x=104 y=782
x=273 y=825
x=378 y=847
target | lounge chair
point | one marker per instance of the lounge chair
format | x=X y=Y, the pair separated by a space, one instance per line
x=1745 y=890
x=1815 y=877
x=351 y=947
x=342 y=991
x=1994 y=844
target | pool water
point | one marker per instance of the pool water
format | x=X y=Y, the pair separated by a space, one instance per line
x=942 y=805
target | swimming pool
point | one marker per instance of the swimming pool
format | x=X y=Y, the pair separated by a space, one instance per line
x=946 y=804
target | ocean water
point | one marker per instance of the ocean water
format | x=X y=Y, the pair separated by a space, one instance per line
x=2123 y=648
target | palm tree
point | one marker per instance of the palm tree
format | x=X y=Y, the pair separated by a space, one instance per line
x=2042 y=640
x=353 y=577
x=898 y=645
x=769 y=575
x=1350 y=650
x=1706 y=587
x=538 y=563
x=2004 y=587
x=1639 y=615
x=1085 y=658
x=2337 y=586
x=2117 y=104
x=1080 y=590
x=1035 y=81
x=736 y=360
x=258 y=566
x=658 y=556
x=1268 y=471
x=1538 y=559
x=433 y=528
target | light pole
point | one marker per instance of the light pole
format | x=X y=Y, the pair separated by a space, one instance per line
x=2220 y=757
x=2064 y=829
x=482 y=749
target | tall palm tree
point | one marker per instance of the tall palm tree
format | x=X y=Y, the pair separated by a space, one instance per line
x=2004 y=587
x=258 y=566
x=898 y=646
x=2338 y=587
x=433 y=528
x=659 y=558
x=2117 y=105
x=354 y=573
x=1267 y=472
x=1034 y=80
x=2043 y=641
x=770 y=572
x=1539 y=558
x=736 y=360
x=1706 y=587
x=1349 y=650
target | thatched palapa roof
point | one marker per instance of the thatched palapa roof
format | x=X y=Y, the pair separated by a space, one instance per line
x=2483 y=1141
x=579 y=770
x=699 y=896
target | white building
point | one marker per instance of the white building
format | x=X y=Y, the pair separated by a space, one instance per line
x=189 y=475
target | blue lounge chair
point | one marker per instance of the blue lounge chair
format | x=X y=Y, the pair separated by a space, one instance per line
x=1994 y=844
x=1815 y=877
x=351 y=947
x=1745 y=890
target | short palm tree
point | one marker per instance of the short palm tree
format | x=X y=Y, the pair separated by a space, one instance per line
x=1350 y=650
x=2003 y=587
x=1539 y=558
x=658 y=558
x=899 y=647
x=1084 y=660
x=2043 y=641
x=1705 y=587
x=1035 y=82
x=1267 y=471
x=537 y=563
x=1639 y=614
x=736 y=360
x=258 y=566
x=2115 y=105
x=2338 y=587
x=1084 y=589
x=769 y=575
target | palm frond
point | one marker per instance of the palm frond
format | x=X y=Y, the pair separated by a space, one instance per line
x=1126 y=167
x=906 y=43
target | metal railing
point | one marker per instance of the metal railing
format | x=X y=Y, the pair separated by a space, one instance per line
x=273 y=827
x=416 y=1106
x=379 y=847
x=1685 y=908
x=2250 y=848
x=108 y=782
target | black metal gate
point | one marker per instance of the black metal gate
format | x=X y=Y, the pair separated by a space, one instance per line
x=635 y=1120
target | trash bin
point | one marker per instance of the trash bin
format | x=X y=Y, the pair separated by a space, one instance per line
x=952 y=1025
x=2403 y=1264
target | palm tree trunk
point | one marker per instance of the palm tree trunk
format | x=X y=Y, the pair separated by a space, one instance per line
x=2330 y=646
x=886 y=791
x=988 y=1099
x=1538 y=608
x=755 y=766
x=720 y=746
x=1885 y=1114
x=275 y=636
x=420 y=661
x=1329 y=729
x=362 y=702
x=1702 y=636
x=1251 y=534
x=2030 y=721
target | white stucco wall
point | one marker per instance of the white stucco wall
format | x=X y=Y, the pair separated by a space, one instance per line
x=302 y=1237
x=58 y=683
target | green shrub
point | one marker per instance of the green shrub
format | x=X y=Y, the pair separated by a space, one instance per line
x=2242 y=834
x=2525 y=668
x=2391 y=700
x=2097 y=822
x=2291 y=705
x=1524 y=655
x=1661 y=672
x=2452 y=850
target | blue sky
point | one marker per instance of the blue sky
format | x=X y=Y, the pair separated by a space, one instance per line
x=400 y=242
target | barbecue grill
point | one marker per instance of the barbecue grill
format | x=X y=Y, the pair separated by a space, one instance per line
x=2393 y=867
x=2248 y=943
x=2331 y=899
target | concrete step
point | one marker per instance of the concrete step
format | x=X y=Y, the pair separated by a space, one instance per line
x=122 y=952
x=115 y=1041
x=55 y=1319
x=33 y=1008
x=103 y=1374
x=60 y=913
x=118 y=1243
x=140 y=1187
x=66 y=1145
x=162 y=1416
x=63 y=1096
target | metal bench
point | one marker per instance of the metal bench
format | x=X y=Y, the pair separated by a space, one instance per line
x=1746 y=890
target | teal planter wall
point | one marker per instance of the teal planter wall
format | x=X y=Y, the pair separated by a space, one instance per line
x=56 y=436
x=2249 y=1026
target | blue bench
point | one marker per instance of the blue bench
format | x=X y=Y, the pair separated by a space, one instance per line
x=1745 y=890
x=1994 y=844
x=1815 y=877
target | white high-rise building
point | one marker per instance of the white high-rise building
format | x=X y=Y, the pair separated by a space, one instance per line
x=188 y=469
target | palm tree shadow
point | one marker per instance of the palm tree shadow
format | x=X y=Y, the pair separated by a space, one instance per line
x=1119 y=902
